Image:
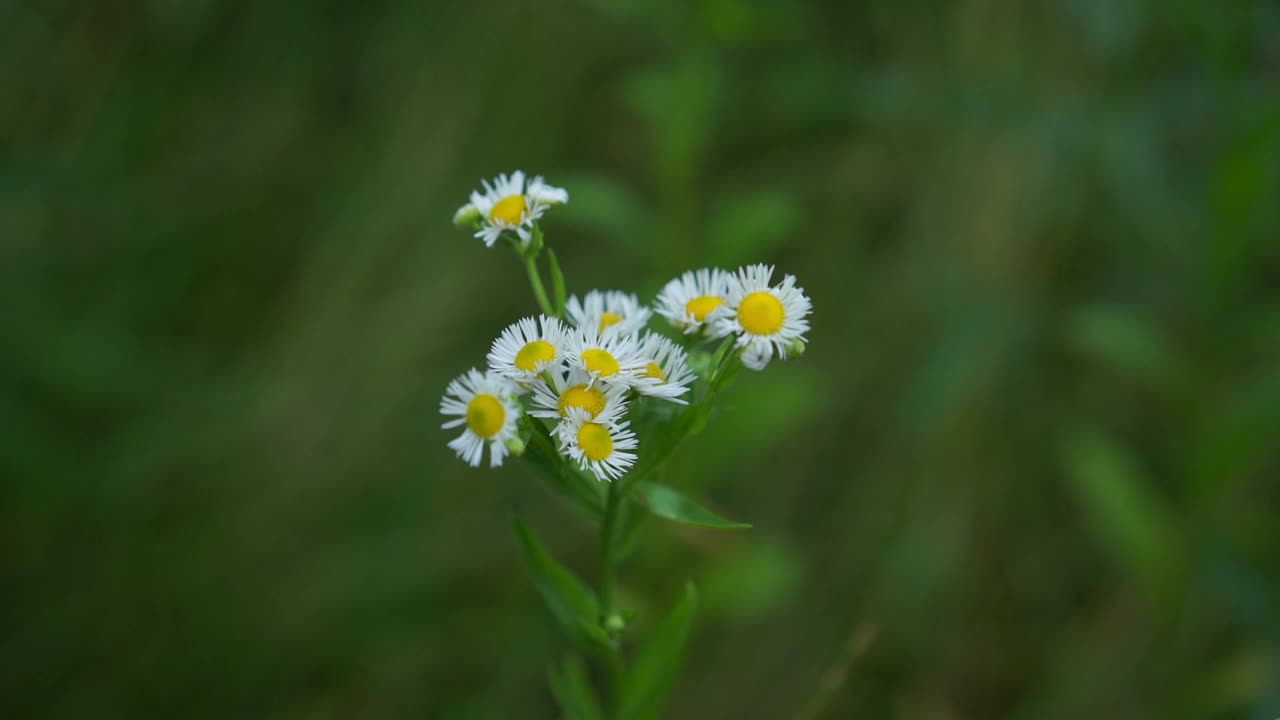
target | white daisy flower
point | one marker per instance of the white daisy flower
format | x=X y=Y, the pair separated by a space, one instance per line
x=600 y=444
x=768 y=319
x=612 y=358
x=687 y=301
x=574 y=389
x=523 y=351
x=667 y=370
x=487 y=405
x=508 y=203
x=610 y=309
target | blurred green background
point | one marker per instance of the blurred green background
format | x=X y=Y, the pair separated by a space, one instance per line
x=1029 y=468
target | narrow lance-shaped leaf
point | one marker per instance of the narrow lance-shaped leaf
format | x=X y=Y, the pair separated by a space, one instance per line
x=535 y=241
x=630 y=523
x=659 y=446
x=571 y=601
x=1130 y=520
x=558 y=291
x=718 y=358
x=572 y=690
x=1123 y=341
x=586 y=494
x=666 y=502
x=657 y=664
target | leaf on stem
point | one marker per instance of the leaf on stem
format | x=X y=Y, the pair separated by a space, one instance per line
x=568 y=598
x=629 y=532
x=666 y=502
x=585 y=493
x=657 y=664
x=535 y=241
x=572 y=690
x=558 y=291
x=705 y=364
x=1131 y=521
x=1126 y=343
x=721 y=350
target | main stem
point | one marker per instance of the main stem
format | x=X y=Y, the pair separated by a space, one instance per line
x=606 y=551
x=613 y=506
x=608 y=567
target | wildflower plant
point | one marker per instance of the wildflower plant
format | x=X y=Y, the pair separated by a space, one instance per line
x=595 y=403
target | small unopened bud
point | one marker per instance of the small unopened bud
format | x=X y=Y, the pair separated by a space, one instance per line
x=615 y=623
x=516 y=446
x=466 y=216
x=796 y=348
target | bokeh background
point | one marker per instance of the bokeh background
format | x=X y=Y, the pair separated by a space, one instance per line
x=1029 y=468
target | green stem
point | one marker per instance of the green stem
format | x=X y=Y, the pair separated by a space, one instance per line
x=723 y=373
x=535 y=280
x=606 y=551
x=608 y=570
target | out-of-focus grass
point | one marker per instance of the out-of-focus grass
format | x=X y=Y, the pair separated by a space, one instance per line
x=1033 y=444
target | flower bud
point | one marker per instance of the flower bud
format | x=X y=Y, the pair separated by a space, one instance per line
x=515 y=446
x=615 y=624
x=466 y=216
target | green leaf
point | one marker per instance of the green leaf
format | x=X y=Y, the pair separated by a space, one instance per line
x=572 y=690
x=568 y=598
x=718 y=358
x=699 y=361
x=706 y=362
x=1127 y=344
x=535 y=241
x=558 y=291
x=1132 y=523
x=724 y=378
x=584 y=492
x=657 y=664
x=668 y=503
x=659 y=445
x=630 y=523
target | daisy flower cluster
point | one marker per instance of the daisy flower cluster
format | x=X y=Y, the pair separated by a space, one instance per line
x=579 y=375
x=579 y=367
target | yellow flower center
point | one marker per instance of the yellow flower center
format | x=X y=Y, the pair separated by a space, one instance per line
x=701 y=307
x=535 y=352
x=608 y=319
x=760 y=313
x=595 y=442
x=600 y=361
x=508 y=210
x=655 y=372
x=582 y=396
x=485 y=415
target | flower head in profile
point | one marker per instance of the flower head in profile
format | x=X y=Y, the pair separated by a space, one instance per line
x=667 y=370
x=610 y=358
x=574 y=388
x=611 y=310
x=688 y=301
x=527 y=347
x=768 y=319
x=509 y=204
x=600 y=444
x=486 y=405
